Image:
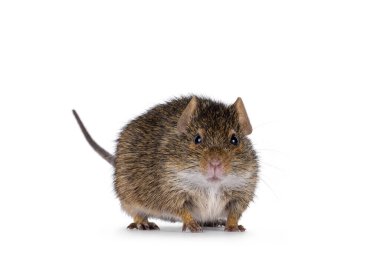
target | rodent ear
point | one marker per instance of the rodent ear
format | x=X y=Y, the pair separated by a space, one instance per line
x=187 y=114
x=245 y=125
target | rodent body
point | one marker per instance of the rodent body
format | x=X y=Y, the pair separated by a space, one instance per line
x=186 y=160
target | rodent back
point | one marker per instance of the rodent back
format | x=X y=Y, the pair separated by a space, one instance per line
x=154 y=138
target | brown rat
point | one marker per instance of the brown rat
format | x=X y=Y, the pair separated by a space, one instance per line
x=185 y=160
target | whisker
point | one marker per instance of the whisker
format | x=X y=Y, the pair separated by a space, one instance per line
x=271 y=165
x=270 y=188
x=262 y=124
x=258 y=150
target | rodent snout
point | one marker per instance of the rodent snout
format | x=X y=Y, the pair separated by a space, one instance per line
x=215 y=169
x=216 y=164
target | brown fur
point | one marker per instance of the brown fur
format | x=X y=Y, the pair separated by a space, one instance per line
x=155 y=147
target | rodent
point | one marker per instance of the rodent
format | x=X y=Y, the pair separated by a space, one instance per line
x=186 y=160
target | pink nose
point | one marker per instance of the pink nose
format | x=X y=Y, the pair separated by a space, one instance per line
x=216 y=165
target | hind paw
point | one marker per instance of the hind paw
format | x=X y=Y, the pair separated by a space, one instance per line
x=146 y=225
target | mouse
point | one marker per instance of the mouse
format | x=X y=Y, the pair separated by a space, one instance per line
x=186 y=160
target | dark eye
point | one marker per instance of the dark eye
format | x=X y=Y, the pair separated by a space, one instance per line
x=198 y=139
x=234 y=140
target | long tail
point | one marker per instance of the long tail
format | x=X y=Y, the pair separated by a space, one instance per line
x=101 y=151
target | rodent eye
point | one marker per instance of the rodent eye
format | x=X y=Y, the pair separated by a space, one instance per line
x=234 y=140
x=198 y=139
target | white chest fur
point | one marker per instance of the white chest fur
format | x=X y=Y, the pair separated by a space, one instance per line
x=209 y=204
x=208 y=197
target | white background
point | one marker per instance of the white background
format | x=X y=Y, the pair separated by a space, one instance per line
x=308 y=72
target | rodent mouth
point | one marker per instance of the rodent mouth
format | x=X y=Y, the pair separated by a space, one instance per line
x=214 y=179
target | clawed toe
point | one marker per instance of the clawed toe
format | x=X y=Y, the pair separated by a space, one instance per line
x=153 y=226
x=132 y=226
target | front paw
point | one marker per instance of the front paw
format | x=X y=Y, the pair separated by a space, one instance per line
x=237 y=228
x=193 y=226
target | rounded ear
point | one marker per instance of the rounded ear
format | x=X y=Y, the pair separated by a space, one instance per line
x=245 y=125
x=186 y=116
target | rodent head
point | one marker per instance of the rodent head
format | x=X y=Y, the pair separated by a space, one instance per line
x=213 y=140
